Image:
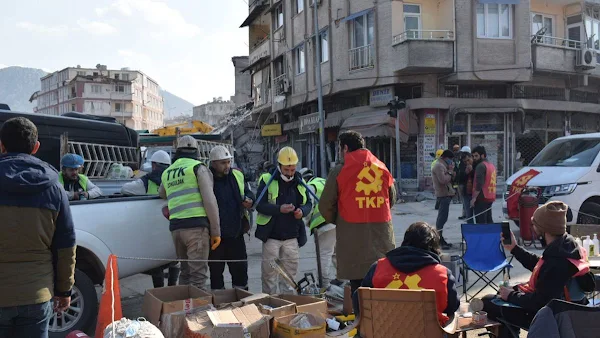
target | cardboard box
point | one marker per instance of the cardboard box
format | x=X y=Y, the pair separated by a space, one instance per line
x=229 y=296
x=283 y=329
x=173 y=299
x=278 y=307
x=307 y=304
x=235 y=323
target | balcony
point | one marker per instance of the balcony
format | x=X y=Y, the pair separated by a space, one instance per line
x=553 y=54
x=260 y=51
x=361 y=57
x=423 y=51
x=282 y=86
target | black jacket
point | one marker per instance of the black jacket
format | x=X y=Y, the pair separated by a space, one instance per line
x=229 y=200
x=283 y=226
x=553 y=274
x=410 y=259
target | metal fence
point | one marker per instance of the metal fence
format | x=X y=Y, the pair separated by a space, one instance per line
x=415 y=34
x=361 y=57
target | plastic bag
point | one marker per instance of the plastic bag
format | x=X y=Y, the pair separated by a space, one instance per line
x=126 y=328
x=118 y=171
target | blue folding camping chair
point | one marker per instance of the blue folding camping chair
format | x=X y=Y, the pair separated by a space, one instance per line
x=484 y=254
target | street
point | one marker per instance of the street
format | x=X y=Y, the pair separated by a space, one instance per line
x=133 y=288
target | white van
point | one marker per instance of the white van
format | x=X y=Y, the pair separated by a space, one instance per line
x=570 y=172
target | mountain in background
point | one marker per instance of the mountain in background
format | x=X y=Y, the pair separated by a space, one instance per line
x=18 y=83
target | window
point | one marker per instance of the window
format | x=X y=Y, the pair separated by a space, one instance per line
x=116 y=76
x=120 y=88
x=299 y=6
x=278 y=17
x=95 y=73
x=574 y=30
x=592 y=29
x=300 y=61
x=363 y=30
x=96 y=88
x=494 y=21
x=412 y=21
x=125 y=77
x=117 y=107
x=542 y=25
x=80 y=73
x=324 y=46
x=73 y=107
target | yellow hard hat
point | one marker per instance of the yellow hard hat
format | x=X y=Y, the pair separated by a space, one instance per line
x=287 y=156
x=439 y=153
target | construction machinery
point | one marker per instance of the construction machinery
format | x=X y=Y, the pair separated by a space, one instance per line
x=185 y=128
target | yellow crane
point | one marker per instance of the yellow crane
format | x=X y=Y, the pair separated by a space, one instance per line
x=184 y=128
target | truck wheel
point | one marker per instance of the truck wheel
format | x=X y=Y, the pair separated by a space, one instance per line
x=589 y=213
x=83 y=310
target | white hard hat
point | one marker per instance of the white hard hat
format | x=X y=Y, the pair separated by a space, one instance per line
x=187 y=141
x=218 y=153
x=465 y=149
x=162 y=157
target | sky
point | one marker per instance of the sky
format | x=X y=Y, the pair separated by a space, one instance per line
x=185 y=45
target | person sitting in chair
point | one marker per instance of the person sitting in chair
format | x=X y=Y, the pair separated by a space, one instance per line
x=416 y=265
x=562 y=272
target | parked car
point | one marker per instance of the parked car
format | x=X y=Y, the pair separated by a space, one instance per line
x=570 y=172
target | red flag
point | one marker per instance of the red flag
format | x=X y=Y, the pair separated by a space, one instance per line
x=515 y=192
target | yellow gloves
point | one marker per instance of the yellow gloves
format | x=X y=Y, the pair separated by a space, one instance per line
x=214 y=242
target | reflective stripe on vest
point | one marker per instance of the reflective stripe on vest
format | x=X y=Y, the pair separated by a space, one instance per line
x=434 y=276
x=239 y=178
x=316 y=219
x=364 y=189
x=181 y=186
x=273 y=193
x=83 y=181
x=152 y=188
x=489 y=185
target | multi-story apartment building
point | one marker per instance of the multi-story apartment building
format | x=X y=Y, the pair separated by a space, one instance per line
x=130 y=96
x=242 y=80
x=511 y=75
x=213 y=112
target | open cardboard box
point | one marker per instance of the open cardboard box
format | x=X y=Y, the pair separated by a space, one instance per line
x=283 y=329
x=278 y=307
x=172 y=299
x=229 y=296
x=234 y=323
x=307 y=304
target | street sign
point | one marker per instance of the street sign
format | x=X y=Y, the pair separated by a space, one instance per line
x=309 y=123
x=271 y=130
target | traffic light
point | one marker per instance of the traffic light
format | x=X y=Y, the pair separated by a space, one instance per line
x=394 y=105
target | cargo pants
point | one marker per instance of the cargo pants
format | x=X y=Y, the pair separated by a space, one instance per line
x=287 y=252
x=193 y=243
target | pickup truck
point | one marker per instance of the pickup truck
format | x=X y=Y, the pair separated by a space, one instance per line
x=124 y=226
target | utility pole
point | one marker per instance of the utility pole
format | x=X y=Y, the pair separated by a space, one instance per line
x=321 y=124
x=394 y=106
x=320 y=93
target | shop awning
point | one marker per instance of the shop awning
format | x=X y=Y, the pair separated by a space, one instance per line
x=377 y=124
x=256 y=11
x=250 y=66
x=504 y=2
x=484 y=110
x=356 y=15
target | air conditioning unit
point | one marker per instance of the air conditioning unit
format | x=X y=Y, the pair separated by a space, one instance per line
x=585 y=59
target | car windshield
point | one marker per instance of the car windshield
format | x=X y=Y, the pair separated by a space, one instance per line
x=576 y=152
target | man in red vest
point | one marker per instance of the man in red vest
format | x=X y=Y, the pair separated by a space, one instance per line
x=562 y=272
x=414 y=266
x=484 y=186
x=357 y=198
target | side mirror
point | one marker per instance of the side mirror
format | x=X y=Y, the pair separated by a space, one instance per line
x=598 y=169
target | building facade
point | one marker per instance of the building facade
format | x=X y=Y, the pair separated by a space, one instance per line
x=132 y=97
x=511 y=75
x=242 y=81
x=213 y=112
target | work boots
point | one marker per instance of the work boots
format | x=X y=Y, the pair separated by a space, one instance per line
x=445 y=245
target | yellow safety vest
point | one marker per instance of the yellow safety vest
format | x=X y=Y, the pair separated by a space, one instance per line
x=152 y=188
x=83 y=181
x=273 y=193
x=183 y=195
x=239 y=178
x=316 y=219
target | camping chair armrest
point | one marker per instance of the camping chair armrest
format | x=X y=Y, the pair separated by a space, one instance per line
x=452 y=326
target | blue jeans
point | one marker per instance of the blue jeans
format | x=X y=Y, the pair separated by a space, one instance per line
x=443 y=211
x=29 y=321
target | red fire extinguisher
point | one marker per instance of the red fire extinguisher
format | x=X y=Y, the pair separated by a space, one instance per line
x=528 y=203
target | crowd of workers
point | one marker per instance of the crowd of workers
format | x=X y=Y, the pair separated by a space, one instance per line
x=208 y=209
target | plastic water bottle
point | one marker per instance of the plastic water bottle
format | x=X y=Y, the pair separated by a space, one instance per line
x=578 y=241
x=588 y=245
x=596 y=245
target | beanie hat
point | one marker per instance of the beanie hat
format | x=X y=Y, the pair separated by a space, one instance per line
x=551 y=218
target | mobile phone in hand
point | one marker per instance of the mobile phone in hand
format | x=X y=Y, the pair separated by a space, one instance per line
x=506 y=233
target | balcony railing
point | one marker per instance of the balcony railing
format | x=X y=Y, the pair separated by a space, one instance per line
x=281 y=84
x=555 y=42
x=259 y=43
x=414 y=34
x=361 y=57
